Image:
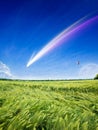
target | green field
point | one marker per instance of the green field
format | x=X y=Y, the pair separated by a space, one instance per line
x=49 y=105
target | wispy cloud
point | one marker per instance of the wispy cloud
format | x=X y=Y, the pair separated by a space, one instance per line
x=5 y=71
x=88 y=70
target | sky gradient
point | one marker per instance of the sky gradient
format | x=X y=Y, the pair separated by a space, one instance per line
x=26 y=26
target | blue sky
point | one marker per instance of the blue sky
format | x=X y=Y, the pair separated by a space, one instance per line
x=26 y=26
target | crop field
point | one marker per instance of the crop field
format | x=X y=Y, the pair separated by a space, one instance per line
x=49 y=105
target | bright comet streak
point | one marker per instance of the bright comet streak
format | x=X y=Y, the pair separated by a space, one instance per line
x=67 y=33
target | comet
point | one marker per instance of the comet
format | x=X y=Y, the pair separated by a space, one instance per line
x=62 y=37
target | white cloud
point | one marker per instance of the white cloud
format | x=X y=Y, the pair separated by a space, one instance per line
x=88 y=71
x=5 y=71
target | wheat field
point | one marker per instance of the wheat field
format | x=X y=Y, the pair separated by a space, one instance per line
x=49 y=105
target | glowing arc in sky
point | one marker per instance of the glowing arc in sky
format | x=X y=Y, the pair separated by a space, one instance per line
x=77 y=26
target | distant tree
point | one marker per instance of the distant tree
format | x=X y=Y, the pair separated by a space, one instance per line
x=96 y=77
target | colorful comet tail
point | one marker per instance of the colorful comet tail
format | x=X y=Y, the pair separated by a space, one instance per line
x=62 y=37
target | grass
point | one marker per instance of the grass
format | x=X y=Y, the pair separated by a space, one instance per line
x=49 y=105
